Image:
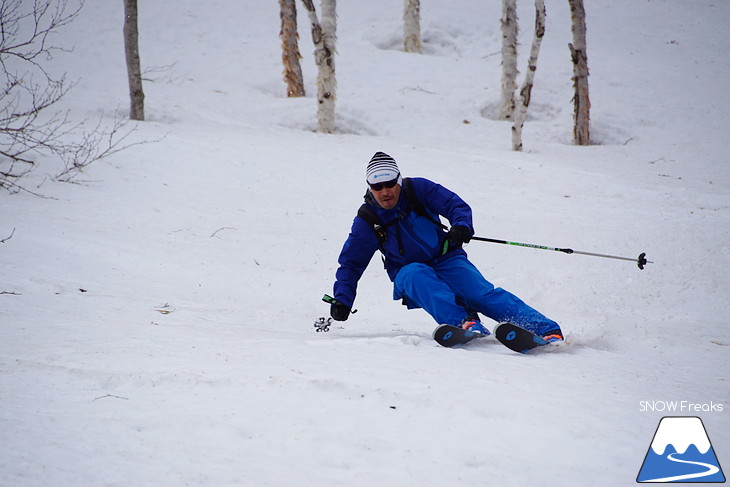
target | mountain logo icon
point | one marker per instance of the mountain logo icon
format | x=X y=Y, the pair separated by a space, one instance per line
x=681 y=452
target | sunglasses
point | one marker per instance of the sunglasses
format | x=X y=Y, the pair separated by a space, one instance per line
x=386 y=184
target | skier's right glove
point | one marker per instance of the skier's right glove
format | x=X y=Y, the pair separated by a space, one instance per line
x=458 y=235
x=339 y=311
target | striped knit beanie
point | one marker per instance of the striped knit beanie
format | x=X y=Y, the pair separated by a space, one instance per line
x=382 y=168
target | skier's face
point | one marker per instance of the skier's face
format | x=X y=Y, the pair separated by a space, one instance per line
x=386 y=197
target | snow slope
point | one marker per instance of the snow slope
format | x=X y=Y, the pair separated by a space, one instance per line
x=156 y=320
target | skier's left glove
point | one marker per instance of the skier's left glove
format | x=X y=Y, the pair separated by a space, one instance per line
x=339 y=311
x=458 y=235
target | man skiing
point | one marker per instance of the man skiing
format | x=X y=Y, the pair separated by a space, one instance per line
x=426 y=263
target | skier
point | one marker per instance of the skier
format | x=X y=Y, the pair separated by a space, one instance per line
x=427 y=264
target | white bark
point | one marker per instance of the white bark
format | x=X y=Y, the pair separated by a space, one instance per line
x=579 y=56
x=510 y=29
x=324 y=36
x=526 y=90
x=412 y=26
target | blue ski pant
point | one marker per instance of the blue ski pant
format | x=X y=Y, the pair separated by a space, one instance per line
x=451 y=288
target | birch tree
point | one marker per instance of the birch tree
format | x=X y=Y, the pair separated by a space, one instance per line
x=324 y=36
x=290 y=49
x=526 y=89
x=510 y=29
x=412 y=26
x=578 y=54
x=131 y=50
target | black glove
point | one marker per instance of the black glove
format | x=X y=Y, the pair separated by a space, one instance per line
x=458 y=235
x=339 y=311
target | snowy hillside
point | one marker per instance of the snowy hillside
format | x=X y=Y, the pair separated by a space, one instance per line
x=156 y=320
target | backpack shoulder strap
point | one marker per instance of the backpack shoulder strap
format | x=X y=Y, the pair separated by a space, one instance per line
x=367 y=214
x=416 y=204
x=412 y=198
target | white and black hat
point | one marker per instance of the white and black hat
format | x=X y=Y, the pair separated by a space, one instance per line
x=382 y=168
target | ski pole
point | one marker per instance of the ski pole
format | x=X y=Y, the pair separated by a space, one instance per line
x=641 y=260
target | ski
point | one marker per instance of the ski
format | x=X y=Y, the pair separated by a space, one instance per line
x=449 y=335
x=517 y=338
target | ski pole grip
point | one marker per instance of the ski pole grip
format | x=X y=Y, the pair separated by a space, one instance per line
x=330 y=300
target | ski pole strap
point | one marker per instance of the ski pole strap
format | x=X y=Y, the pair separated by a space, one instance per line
x=329 y=299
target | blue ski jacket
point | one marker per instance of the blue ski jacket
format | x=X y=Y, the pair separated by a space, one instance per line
x=410 y=237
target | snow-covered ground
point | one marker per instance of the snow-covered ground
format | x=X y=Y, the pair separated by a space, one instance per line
x=156 y=321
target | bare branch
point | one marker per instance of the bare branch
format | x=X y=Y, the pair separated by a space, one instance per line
x=215 y=234
x=113 y=396
x=29 y=90
x=28 y=127
x=8 y=237
x=94 y=145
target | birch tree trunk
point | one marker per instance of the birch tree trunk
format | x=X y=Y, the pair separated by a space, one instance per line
x=290 y=49
x=526 y=90
x=579 y=56
x=324 y=36
x=131 y=50
x=510 y=29
x=412 y=26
